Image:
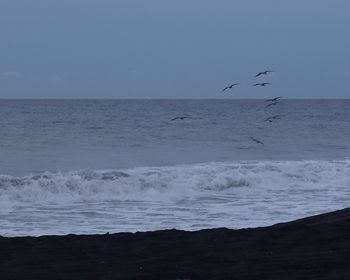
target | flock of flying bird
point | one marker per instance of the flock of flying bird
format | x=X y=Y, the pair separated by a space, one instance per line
x=255 y=85
x=271 y=102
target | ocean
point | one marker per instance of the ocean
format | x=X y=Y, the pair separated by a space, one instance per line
x=92 y=166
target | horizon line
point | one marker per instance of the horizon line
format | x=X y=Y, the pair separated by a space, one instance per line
x=162 y=98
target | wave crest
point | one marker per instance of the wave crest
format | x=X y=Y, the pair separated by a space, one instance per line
x=174 y=182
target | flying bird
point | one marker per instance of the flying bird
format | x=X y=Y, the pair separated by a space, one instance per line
x=262 y=84
x=270 y=119
x=256 y=140
x=273 y=99
x=180 y=118
x=263 y=73
x=230 y=86
x=271 y=104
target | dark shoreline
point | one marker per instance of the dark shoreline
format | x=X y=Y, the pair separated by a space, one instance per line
x=317 y=247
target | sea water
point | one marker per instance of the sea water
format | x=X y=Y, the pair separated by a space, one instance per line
x=92 y=166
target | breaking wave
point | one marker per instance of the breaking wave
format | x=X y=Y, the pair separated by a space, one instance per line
x=174 y=182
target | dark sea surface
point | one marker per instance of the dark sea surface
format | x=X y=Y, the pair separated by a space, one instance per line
x=87 y=166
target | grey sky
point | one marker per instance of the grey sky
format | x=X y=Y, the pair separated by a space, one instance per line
x=173 y=48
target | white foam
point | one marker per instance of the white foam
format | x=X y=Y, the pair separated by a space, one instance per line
x=231 y=194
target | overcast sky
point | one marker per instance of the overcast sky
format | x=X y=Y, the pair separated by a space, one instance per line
x=174 y=48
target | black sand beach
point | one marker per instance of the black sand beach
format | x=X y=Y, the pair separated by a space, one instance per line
x=312 y=248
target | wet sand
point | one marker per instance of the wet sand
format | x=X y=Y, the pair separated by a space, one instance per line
x=312 y=248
